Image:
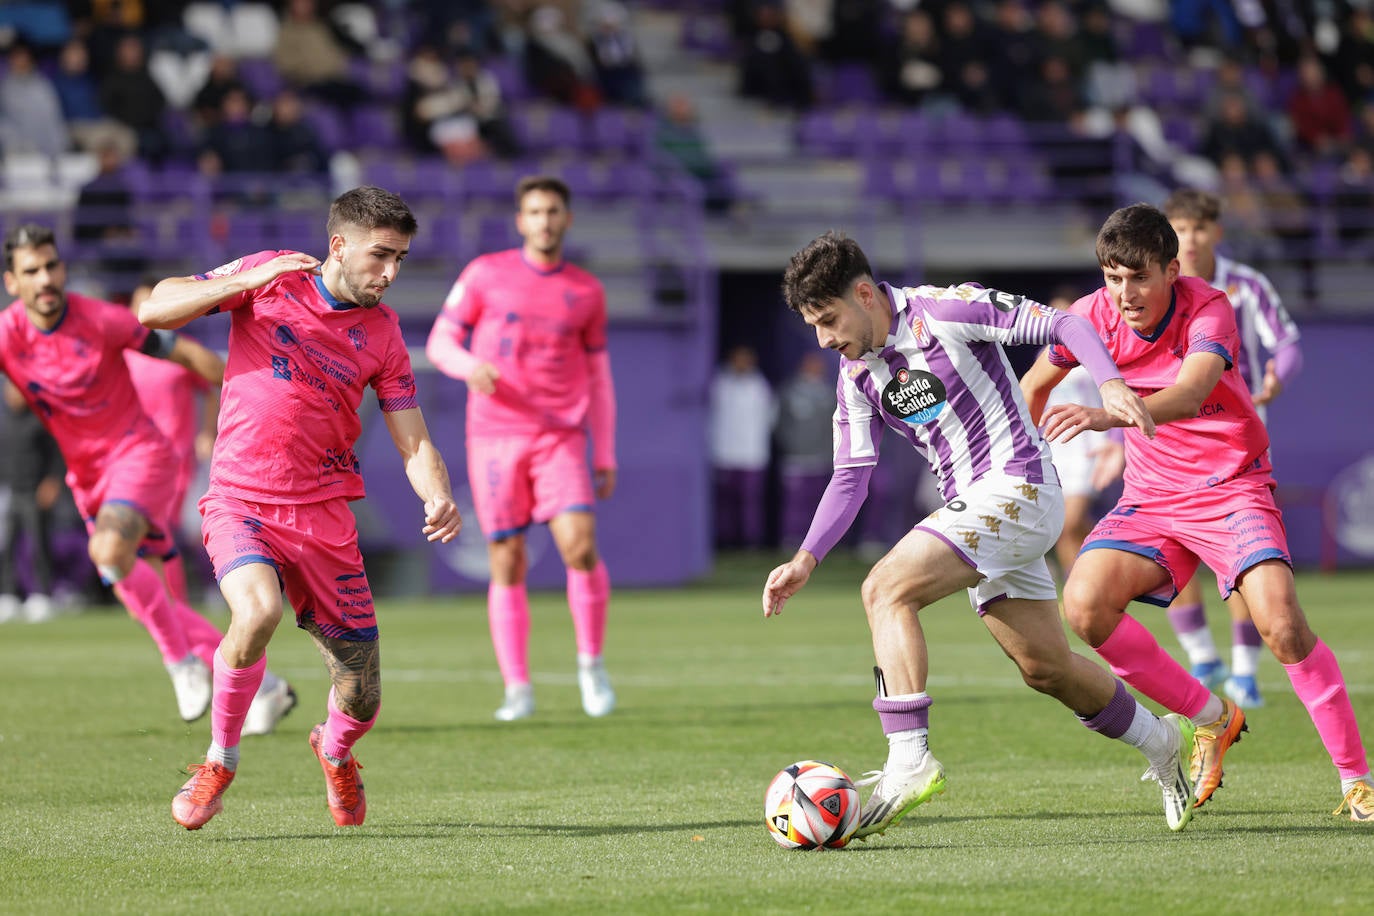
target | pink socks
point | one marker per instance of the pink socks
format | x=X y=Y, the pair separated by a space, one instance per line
x=1318 y=682
x=508 y=612
x=1137 y=658
x=234 y=692
x=342 y=731
x=588 y=594
x=146 y=598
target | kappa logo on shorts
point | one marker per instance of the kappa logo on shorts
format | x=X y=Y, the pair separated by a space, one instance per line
x=1011 y=510
x=994 y=524
x=914 y=396
x=971 y=539
x=1030 y=491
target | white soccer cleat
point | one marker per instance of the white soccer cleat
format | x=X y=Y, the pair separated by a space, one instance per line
x=11 y=608
x=519 y=703
x=896 y=793
x=41 y=609
x=269 y=707
x=1172 y=774
x=191 y=680
x=598 y=699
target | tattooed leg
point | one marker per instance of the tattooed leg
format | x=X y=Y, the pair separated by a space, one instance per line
x=355 y=670
x=113 y=547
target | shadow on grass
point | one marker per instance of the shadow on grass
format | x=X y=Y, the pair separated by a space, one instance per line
x=430 y=830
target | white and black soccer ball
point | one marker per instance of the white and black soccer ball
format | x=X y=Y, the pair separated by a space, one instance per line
x=811 y=804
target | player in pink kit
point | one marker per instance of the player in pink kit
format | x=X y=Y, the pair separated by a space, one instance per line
x=1201 y=490
x=527 y=331
x=307 y=338
x=1269 y=359
x=185 y=407
x=65 y=352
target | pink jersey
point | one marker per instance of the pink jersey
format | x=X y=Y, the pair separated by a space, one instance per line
x=75 y=379
x=299 y=360
x=168 y=392
x=1227 y=439
x=538 y=328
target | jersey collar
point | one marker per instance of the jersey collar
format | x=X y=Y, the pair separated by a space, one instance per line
x=1163 y=322
x=335 y=304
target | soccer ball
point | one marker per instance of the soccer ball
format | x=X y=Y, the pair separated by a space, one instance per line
x=811 y=804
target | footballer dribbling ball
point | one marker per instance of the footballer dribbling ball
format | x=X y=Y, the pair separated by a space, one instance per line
x=811 y=804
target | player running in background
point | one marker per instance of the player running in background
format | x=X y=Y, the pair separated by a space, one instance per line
x=928 y=362
x=527 y=331
x=185 y=407
x=307 y=337
x=65 y=353
x=1201 y=490
x=1268 y=360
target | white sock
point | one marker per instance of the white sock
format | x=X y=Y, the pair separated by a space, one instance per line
x=588 y=661
x=1148 y=733
x=269 y=682
x=1348 y=784
x=227 y=757
x=1244 y=660
x=905 y=749
x=1200 y=646
x=1211 y=712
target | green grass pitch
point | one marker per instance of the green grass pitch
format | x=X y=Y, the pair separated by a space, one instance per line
x=657 y=808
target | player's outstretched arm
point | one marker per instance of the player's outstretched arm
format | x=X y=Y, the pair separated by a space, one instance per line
x=177 y=300
x=1039 y=380
x=427 y=473
x=785 y=581
x=199 y=359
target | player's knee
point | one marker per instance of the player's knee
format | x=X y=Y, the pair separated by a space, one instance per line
x=1043 y=675
x=111 y=556
x=1288 y=636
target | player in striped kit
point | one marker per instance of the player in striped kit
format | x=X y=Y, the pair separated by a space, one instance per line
x=1268 y=360
x=929 y=363
x=526 y=331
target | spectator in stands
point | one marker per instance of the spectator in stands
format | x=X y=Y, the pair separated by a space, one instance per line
x=1353 y=61
x=104 y=217
x=130 y=95
x=964 y=65
x=313 y=58
x=1206 y=22
x=912 y=71
x=1056 y=97
x=615 y=55
x=31 y=471
x=1247 y=226
x=483 y=99
x=853 y=23
x=1235 y=129
x=296 y=147
x=678 y=135
x=223 y=78
x=237 y=143
x=1319 y=112
x=556 y=61
x=1286 y=209
x=805 y=443
x=772 y=68
x=1109 y=81
x=742 y=414
x=87 y=122
x=1056 y=35
x=458 y=113
x=31 y=118
x=1354 y=195
x=1016 y=62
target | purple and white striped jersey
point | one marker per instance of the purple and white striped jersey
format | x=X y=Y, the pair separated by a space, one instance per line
x=1265 y=325
x=943 y=381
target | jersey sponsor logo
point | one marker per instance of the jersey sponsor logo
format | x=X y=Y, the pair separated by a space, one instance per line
x=338 y=367
x=286 y=337
x=226 y=270
x=334 y=463
x=1005 y=302
x=914 y=396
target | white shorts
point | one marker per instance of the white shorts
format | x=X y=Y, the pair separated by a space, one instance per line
x=1003 y=527
x=1074 y=460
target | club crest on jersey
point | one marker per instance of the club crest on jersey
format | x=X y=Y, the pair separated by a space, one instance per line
x=286 y=337
x=1040 y=311
x=918 y=327
x=914 y=396
x=357 y=335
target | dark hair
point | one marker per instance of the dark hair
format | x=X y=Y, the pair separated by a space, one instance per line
x=823 y=270
x=1191 y=203
x=1135 y=237
x=371 y=208
x=26 y=235
x=542 y=183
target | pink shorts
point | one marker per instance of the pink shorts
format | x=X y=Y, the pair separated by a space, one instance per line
x=1231 y=528
x=519 y=480
x=136 y=475
x=314 y=549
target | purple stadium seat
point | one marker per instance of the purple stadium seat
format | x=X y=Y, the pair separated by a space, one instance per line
x=440 y=236
x=849 y=84
x=376 y=127
x=328 y=125
x=619 y=131
x=260 y=76
x=495 y=233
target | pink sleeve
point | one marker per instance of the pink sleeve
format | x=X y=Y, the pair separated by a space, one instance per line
x=601 y=412
x=460 y=312
x=395 y=384
x=236 y=266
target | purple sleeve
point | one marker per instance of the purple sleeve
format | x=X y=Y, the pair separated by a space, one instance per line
x=1079 y=337
x=844 y=495
x=1288 y=362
